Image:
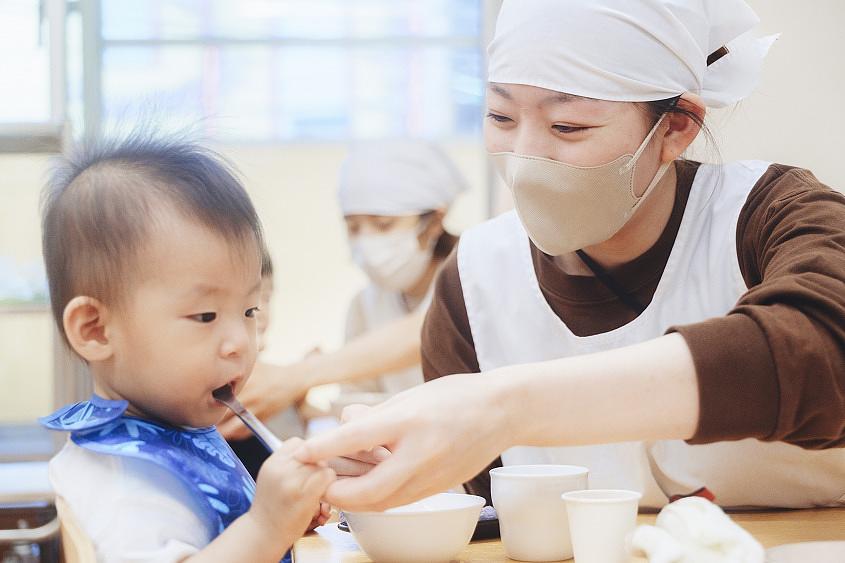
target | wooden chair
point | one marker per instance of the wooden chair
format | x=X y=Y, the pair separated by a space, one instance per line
x=26 y=484
x=76 y=545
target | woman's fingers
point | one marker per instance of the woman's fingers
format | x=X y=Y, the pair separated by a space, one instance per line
x=351 y=412
x=359 y=435
x=346 y=467
x=359 y=463
x=375 y=490
x=374 y=456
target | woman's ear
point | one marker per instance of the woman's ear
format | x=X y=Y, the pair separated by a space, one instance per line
x=84 y=321
x=682 y=130
x=433 y=228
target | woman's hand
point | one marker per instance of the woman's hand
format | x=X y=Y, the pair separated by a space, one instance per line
x=439 y=434
x=357 y=463
x=270 y=390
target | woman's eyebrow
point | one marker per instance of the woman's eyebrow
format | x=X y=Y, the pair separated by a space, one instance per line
x=500 y=91
x=558 y=98
x=555 y=97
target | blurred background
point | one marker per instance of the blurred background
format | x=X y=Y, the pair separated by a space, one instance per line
x=282 y=87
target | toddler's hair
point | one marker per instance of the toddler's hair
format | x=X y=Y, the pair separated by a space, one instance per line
x=102 y=199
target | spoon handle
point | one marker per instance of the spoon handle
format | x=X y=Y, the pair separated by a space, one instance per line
x=264 y=434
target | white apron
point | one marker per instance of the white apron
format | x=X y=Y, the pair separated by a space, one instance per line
x=372 y=308
x=512 y=323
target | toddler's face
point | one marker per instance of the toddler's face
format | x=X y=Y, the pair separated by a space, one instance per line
x=188 y=326
x=264 y=304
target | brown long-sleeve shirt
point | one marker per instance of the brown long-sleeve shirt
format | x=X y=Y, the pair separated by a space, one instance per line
x=773 y=368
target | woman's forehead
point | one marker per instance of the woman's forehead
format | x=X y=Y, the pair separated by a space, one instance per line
x=372 y=218
x=544 y=98
x=508 y=91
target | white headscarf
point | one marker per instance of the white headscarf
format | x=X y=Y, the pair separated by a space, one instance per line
x=397 y=178
x=629 y=50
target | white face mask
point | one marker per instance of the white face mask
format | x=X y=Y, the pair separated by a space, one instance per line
x=393 y=260
x=564 y=207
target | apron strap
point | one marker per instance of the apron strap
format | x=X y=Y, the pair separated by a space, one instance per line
x=608 y=281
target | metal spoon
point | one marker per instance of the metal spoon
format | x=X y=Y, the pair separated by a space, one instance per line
x=265 y=436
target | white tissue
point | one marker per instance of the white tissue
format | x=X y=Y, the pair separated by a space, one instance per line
x=694 y=530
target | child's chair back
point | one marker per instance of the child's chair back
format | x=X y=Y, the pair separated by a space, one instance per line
x=76 y=545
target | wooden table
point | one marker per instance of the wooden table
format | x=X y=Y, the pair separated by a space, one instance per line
x=329 y=545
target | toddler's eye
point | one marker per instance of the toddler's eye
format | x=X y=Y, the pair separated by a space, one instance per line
x=204 y=317
x=251 y=311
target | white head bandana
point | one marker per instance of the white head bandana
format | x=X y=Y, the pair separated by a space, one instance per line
x=397 y=178
x=629 y=50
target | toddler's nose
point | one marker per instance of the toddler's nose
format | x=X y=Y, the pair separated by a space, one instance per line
x=236 y=342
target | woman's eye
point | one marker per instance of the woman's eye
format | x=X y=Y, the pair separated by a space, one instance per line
x=568 y=128
x=251 y=312
x=385 y=225
x=204 y=317
x=498 y=118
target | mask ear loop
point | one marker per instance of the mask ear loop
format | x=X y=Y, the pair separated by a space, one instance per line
x=644 y=144
x=424 y=222
x=661 y=171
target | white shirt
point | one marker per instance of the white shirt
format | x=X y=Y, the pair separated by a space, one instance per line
x=372 y=308
x=131 y=509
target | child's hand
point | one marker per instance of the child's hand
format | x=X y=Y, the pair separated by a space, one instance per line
x=324 y=512
x=288 y=493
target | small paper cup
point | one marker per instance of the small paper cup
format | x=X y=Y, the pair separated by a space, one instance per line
x=600 y=521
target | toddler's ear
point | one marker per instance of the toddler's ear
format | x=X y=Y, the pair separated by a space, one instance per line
x=84 y=321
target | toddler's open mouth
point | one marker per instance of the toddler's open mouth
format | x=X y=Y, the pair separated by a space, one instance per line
x=224 y=392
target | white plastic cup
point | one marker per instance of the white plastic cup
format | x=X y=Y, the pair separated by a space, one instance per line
x=600 y=521
x=532 y=517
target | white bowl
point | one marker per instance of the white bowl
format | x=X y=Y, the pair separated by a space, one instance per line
x=436 y=528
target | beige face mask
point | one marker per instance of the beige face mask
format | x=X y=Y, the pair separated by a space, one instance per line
x=565 y=208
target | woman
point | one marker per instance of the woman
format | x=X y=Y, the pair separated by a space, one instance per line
x=394 y=196
x=677 y=327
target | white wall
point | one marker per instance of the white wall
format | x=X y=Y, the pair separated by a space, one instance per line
x=26 y=357
x=796 y=116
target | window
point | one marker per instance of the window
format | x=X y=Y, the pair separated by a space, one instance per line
x=257 y=70
x=32 y=82
x=25 y=56
x=31 y=118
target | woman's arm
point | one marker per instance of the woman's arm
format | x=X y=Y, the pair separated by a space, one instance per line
x=392 y=347
x=781 y=351
x=444 y=432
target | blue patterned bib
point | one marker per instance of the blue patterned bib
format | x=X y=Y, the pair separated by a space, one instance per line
x=200 y=457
